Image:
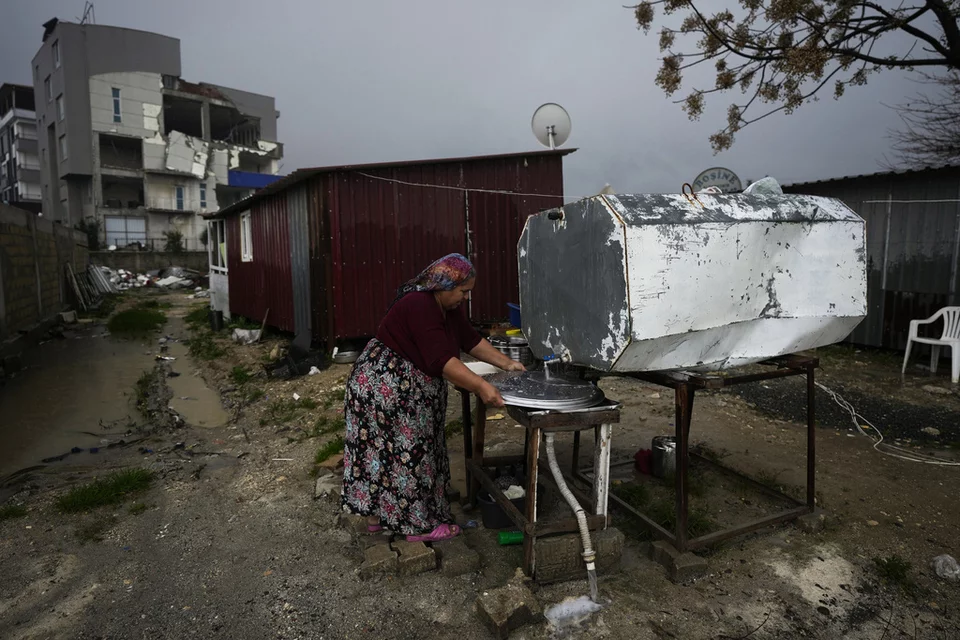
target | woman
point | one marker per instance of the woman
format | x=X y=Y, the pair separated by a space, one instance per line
x=395 y=467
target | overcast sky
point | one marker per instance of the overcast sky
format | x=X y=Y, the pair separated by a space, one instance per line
x=382 y=80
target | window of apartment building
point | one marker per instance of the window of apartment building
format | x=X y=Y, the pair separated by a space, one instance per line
x=63 y=147
x=246 y=237
x=217 y=245
x=56 y=54
x=60 y=111
x=47 y=90
x=203 y=195
x=180 y=191
x=125 y=230
x=116 y=105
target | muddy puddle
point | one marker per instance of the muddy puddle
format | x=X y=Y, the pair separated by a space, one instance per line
x=68 y=392
x=192 y=398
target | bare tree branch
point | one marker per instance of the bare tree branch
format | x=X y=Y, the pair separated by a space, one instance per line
x=795 y=47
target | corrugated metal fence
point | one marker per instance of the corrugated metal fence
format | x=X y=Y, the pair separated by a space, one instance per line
x=913 y=246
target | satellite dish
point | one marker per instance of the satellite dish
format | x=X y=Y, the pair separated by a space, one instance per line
x=551 y=124
x=726 y=180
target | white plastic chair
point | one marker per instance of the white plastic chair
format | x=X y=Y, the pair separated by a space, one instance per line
x=949 y=338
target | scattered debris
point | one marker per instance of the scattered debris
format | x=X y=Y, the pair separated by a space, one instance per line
x=508 y=607
x=946 y=567
x=246 y=336
x=931 y=431
x=940 y=391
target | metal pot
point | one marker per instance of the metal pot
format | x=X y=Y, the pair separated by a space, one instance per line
x=664 y=456
x=514 y=347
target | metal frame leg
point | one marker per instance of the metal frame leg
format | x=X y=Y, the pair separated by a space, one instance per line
x=601 y=469
x=811 y=438
x=530 y=541
x=684 y=410
x=477 y=457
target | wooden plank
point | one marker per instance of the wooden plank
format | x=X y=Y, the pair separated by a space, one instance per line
x=568 y=525
x=529 y=541
x=719 y=536
x=480 y=476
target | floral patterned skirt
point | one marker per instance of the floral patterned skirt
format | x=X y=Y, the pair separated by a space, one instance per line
x=395 y=464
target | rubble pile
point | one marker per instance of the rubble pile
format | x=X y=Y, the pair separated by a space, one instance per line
x=169 y=278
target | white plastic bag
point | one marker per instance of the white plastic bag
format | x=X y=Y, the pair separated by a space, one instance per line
x=765 y=187
x=946 y=567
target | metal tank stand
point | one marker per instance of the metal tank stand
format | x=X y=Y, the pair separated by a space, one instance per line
x=685 y=386
x=600 y=419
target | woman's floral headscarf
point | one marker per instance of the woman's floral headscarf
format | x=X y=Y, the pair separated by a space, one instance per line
x=445 y=274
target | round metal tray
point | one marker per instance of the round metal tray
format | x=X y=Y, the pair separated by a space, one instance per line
x=534 y=390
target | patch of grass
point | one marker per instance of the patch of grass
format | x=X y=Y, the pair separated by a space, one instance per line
x=142 y=387
x=895 y=571
x=284 y=409
x=328 y=449
x=198 y=317
x=242 y=323
x=136 y=322
x=240 y=375
x=334 y=398
x=112 y=489
x=253 y=395
x=204 y=347
x=93 y=531
x=664 y=513
x=137 y=508
x=635 y=494
x=11 y=511
x=153 y=303
x=453 y=428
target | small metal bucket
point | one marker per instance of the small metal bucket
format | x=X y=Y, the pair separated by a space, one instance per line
x=664 y=456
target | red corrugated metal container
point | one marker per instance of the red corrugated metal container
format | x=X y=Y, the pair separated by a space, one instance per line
x=346 y=237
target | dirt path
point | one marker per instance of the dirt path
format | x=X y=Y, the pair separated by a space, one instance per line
x=233 y=545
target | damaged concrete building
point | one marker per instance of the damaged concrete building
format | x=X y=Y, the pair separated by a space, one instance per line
x=126 y=143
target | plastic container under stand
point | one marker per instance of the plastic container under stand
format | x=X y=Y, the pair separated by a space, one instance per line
x=493 y=516
x=664 y=456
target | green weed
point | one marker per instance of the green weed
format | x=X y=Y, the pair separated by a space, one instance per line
x=137 y=508
x=239 y=322
x=334 y=398
x=136 y=322
x=204 y=347
x=284 y=409
x=895 y=571
x=253 y=395
x=635 y=494
x=328 y=449
x=453 y=428
x=240 y=375
x=142 y=387
x=198 y=317
x=112 y=489
x=11 y=511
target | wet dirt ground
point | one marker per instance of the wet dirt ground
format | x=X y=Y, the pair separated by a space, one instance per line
x=232 y=543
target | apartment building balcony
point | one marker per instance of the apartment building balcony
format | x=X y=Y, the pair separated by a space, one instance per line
x=173 y=205
x=27 y=145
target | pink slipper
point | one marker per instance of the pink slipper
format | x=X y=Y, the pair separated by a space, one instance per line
x=442 y=532
x=374 y=528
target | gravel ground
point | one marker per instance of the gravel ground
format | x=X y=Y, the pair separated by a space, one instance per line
x=233 y=545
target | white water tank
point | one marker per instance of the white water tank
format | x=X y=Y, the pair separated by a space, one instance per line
x=664 y=282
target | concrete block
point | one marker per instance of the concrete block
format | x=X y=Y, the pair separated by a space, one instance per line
x=561 y=557
x=663 y=553
x=812 y=522
x=687 y=567
x=415 y=557
x=352 y=523
x=374 y=539
x=507 y=608
x=333 y=462
x=329 y=485
x=456 y=558
x=377 y=560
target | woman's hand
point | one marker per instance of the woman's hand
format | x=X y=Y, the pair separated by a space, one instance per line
x=489 y=395
x=513 y=365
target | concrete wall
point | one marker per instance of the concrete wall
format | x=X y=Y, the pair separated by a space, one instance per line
x=141 y=102
x=33 y=254
x=143 y=261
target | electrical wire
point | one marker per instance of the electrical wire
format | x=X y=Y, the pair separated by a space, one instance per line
x=452 y=188
x=888 y=449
